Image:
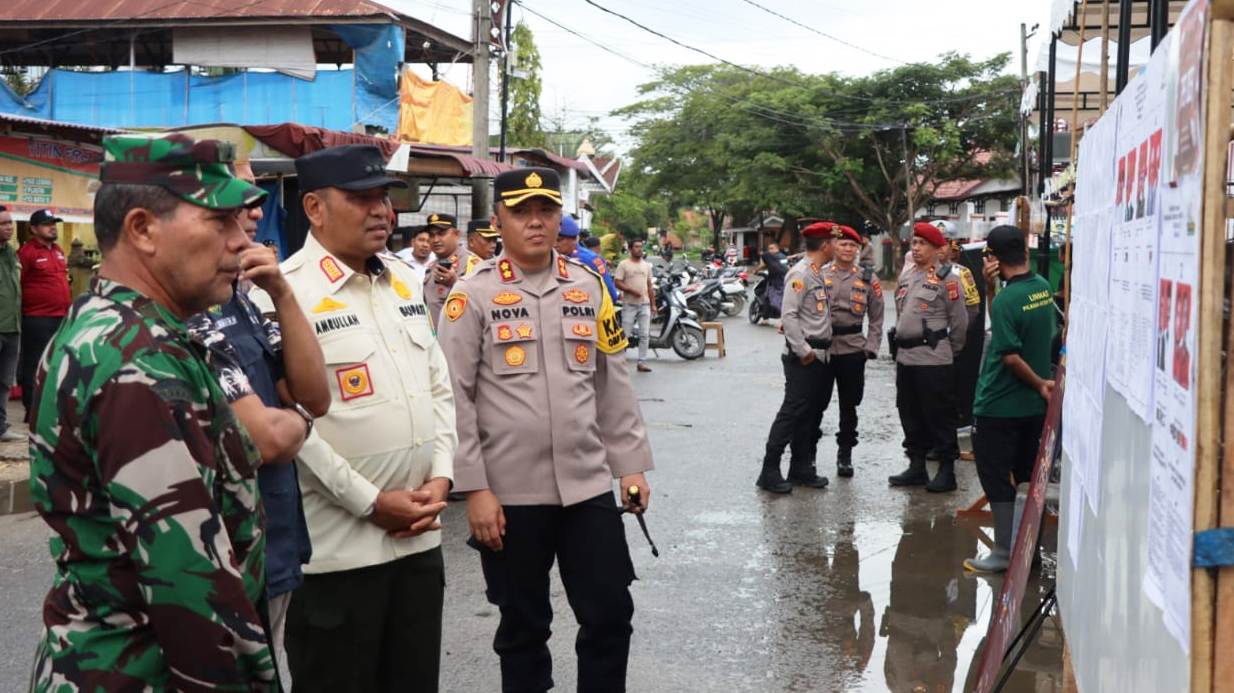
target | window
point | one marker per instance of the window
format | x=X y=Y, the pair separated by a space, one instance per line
x=953 y=208
x=979 y=206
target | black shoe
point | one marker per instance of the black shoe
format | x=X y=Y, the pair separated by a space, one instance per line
x=844 y=463
x=933 y=456
x=811 y=479
x=944 y=480
x=772 y=481
x=915 y=475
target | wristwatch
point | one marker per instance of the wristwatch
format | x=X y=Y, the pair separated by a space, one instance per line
x=304 y=414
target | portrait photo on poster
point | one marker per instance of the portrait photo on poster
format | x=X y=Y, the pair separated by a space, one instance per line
x=1165 y=297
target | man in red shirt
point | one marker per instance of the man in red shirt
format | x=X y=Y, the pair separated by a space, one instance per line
x=44 y=296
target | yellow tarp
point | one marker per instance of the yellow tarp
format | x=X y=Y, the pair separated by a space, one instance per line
x=433 y=112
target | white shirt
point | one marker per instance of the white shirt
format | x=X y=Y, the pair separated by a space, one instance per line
x=410 y=260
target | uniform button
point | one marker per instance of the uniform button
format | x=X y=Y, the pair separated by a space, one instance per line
x=419 y=442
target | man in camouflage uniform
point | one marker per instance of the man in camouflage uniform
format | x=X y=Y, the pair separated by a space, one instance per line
x=855 y=294
x=137 y=463
x=930 y=331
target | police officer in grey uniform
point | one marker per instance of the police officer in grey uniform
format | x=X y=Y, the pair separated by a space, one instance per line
x=855 y=296
x=806 y=320
x=929 y=332
x=451 y=260
x=547 y=419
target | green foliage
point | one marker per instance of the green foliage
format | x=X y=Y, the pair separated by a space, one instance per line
x=19 y=81
x=629 y=214
x=524 y=128
x=612 y=246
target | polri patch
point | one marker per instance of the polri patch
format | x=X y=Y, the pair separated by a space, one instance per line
x=798 y=285
x=582 y=329
x=354 y=382
x=455 y=305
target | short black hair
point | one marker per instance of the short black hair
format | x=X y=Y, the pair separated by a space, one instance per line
x=114 y=201
x=813 y=243
x=3 y=208
x=591 y=242
x=416 y=231
x=637 y=240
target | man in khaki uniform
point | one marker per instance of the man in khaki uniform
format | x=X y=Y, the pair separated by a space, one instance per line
x=481 y=242
x=547 y=420
x=855 y=295
x=376 y=470
x=930 y=331
x=452 y=260
x=806 y=321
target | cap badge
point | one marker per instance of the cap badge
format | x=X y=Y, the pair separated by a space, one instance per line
x=533 y=180
x=330 y=268
x=524 y=331
x=576 y=296
x=455 y=305
x=515 y=356
x=836 y=231
x=433 y=219
x=582 y=353
x=507 y=298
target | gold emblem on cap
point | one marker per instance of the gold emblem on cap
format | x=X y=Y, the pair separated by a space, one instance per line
x=533 y=180
x=433 y=219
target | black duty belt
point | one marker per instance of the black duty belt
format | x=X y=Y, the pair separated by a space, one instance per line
x=816 y=343
x=842 y=330
x=931 y=338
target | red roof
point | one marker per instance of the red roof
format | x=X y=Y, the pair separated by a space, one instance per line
x=956 y=189
x=609 y=169
x=160 y=10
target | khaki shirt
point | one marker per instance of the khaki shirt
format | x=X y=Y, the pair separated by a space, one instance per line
x=463 y=262
x=546 y=412
x=854 y=295
x=931 y=299
x=391 y=419
x=634 y=273
x=804 y=314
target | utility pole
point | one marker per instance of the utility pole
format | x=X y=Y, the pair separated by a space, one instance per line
x=1027 y=171
x=481 y=205
x=505 y=82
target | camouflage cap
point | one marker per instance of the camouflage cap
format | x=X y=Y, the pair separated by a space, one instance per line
x=198 y=172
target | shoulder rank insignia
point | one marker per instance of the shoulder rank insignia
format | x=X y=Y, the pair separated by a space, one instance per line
x=506 y=270
x=798 y=285
x=562 y=270
x=507 y=298
x=330 y=268
x=400 y=288
x=455 y=305
x=576 y=296
x=328 y=305
x=581 y=329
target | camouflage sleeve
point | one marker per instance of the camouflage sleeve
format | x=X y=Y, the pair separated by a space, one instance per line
x=206 y=626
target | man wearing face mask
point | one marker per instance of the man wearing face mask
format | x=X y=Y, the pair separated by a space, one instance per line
x=376 y=470
x=547 y=420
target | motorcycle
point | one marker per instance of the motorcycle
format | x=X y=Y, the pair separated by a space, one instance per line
x=734 y=295
x=707 y=298
x=760 y=307
x=673 y=325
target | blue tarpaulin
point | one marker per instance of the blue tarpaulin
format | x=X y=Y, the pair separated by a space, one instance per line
x=335 y=99
x=270 y=228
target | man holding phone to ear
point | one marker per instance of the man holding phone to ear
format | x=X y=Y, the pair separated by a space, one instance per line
x=453 y=261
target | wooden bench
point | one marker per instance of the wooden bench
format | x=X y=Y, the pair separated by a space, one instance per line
x=718 y=345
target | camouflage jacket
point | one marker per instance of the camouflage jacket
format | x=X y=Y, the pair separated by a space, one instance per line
x=147 y=479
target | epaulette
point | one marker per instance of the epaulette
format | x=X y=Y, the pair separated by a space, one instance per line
x=587 y=268
x=293 y=263
x=483 y=266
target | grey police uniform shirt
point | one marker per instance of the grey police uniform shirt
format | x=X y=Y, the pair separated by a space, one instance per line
x=546 y=413
x=935 y=298
x=855 y=295
x=462 y=262
x=805 y=313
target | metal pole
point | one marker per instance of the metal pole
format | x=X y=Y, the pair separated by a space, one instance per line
x=1043 y=93
x=1043 y=258
x=1124 y=46
x=1105 y=55
x=132 y=76
x=505 y=82
x=1159 y=20
x=1026 y=168
x=480 y=207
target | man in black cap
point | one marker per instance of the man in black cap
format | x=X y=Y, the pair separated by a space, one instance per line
x=1014 y=388
x=376 y=471
x=452 y=261
x=481 y=241
x=44 y=296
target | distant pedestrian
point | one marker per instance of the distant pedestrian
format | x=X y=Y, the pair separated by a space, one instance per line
x=633 y=277
x=418 y=255
x=137 y=463
x=1014 y=387
x=776 y=263
x=806 y=321
x=45 y=295
x=10 y=319
x=481 y=239
x=452 y=260
x=568 y=245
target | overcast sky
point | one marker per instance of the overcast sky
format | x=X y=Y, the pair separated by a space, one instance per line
x=581 y=79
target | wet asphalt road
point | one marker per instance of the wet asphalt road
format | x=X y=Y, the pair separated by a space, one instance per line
x=854 y=588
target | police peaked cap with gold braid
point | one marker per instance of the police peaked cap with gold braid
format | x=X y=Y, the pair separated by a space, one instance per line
x=517 y=186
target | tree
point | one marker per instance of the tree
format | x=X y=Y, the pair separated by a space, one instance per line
x=523 y=126
x=628 y=213
x=19 y=81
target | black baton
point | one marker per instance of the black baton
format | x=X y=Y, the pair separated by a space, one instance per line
x=633 y=494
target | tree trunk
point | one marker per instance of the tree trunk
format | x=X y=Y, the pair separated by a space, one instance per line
x=717 y=224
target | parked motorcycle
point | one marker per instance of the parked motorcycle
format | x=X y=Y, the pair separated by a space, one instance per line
x=760 y=307
x=673 y=325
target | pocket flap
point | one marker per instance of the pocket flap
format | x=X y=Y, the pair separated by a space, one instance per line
x=421 y=335
x=580 y=330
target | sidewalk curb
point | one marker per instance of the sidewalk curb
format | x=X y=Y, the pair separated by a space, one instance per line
x=15 y=497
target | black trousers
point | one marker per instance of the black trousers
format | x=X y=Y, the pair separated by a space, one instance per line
x=807 y=390
x=925 y=396
x=370 y=630
x=1005 y=448
x=588 y=540
x=36 y=332
x=847 y=373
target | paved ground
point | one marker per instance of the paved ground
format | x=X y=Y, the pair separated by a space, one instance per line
x=855 y=588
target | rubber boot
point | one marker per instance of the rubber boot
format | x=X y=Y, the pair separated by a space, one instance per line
x=944 y=480
x=997 y=560
x=1020 y=500
x=844 y=463
x=770 y=480
x=915 y=475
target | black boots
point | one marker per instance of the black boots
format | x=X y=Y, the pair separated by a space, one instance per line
x=915 y=475
x=770 y=480
x=844 y=462
x=807 y=477
x=944 y=480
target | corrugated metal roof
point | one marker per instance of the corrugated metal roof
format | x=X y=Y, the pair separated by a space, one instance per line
x=161 y=10
x=7 y=117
